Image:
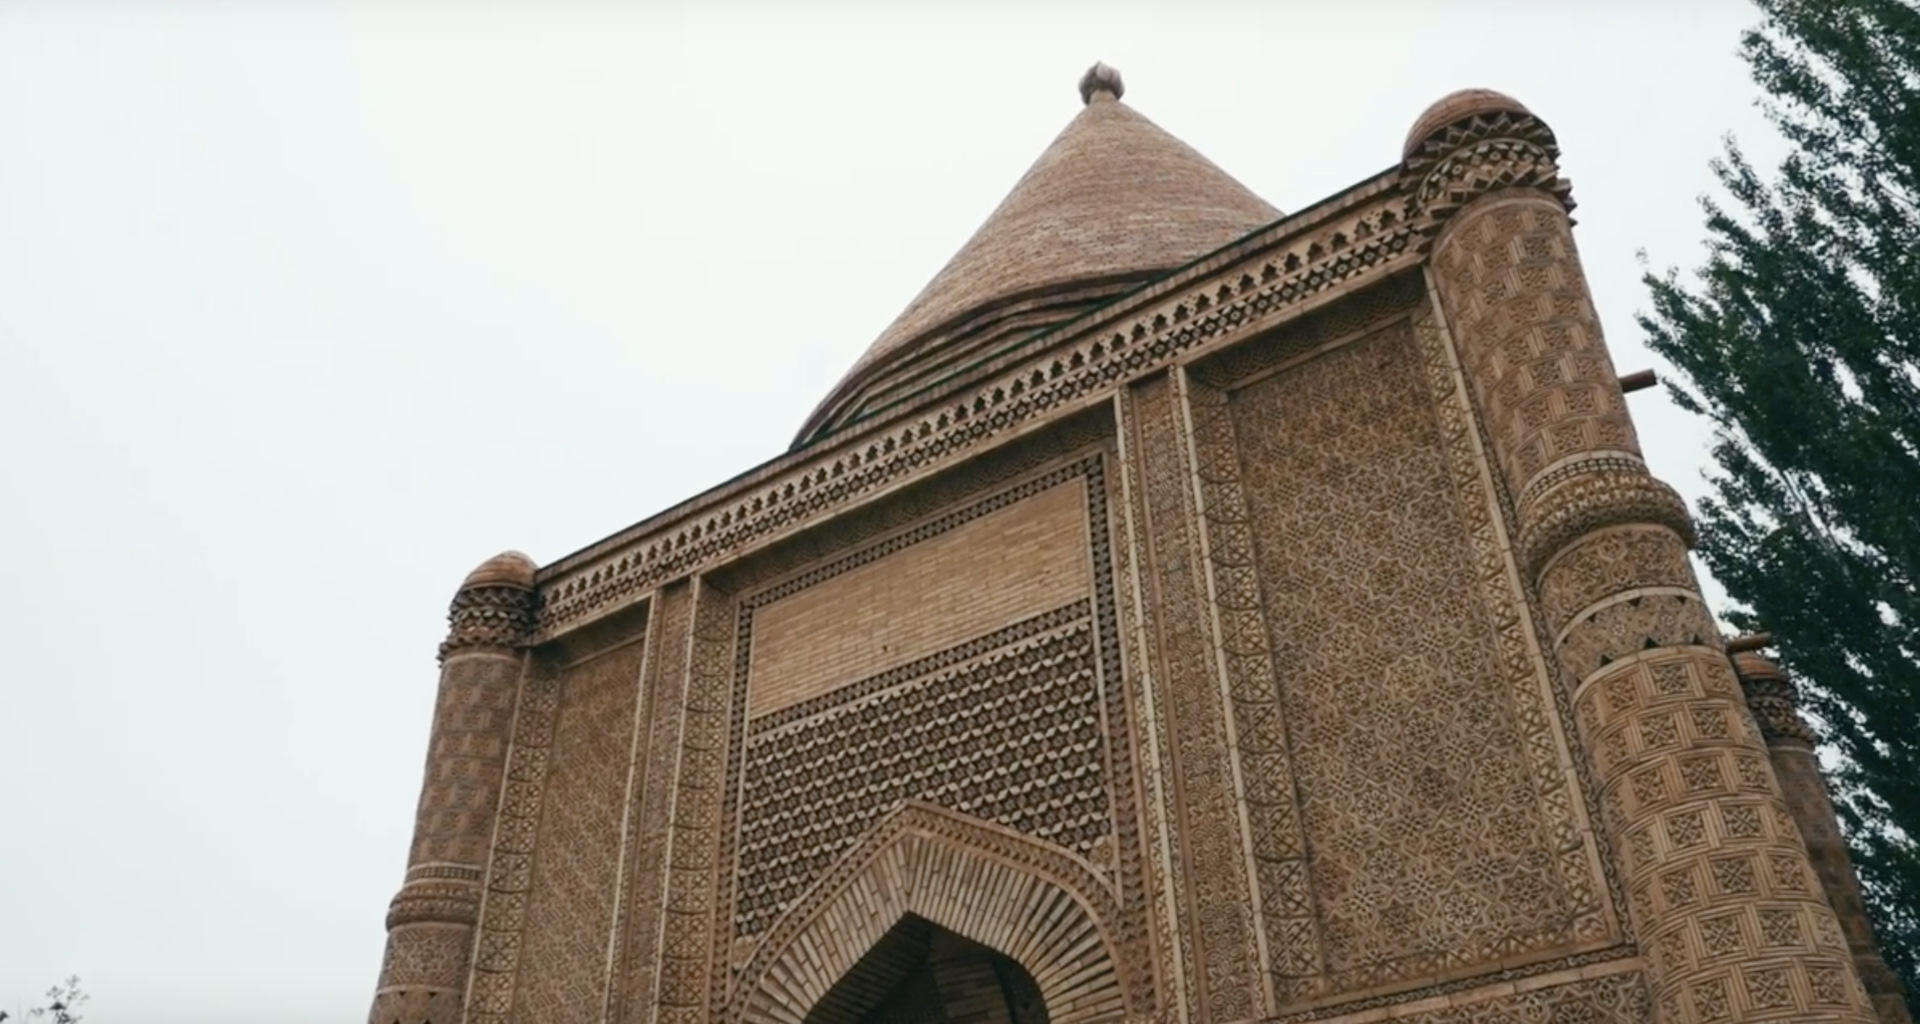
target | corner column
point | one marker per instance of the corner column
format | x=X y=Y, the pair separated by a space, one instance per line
x=1774 y=701
x=1722 y=896
x=431 y=922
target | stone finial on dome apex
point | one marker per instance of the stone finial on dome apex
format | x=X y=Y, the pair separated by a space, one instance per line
x=1101 y=79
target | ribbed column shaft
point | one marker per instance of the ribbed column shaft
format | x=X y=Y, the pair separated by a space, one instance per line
x=431 y=922
x=1721 y=893
x=1773 y=699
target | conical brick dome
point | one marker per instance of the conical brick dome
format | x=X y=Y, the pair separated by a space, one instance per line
x=1114 y=202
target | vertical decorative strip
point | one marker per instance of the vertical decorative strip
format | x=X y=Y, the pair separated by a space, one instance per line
x=1171 y=946
x=510 y=868
x=636 y=973
x=1215 y=883
x=687 y=961
x=1295 y=960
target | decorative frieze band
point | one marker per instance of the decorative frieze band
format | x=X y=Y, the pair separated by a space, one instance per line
x=1264 y=281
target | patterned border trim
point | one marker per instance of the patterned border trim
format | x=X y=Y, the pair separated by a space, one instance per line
x=510 y=869
x=1222 y=955
x=649 y=796
x=687 y=963
x=1365 y=235
x=1629 y=975
x=1279 y=841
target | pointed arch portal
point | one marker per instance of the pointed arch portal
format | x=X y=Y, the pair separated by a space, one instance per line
x=921 y=973
x=936 y=918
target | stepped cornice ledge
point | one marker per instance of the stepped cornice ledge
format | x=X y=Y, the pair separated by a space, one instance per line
x=1360 y=236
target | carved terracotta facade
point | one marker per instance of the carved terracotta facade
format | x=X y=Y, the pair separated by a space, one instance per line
x=1270 y=619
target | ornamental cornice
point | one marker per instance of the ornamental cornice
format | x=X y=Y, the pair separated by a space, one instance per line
x=1351 y=240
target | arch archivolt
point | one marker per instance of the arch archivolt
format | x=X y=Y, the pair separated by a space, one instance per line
x=1033 y=902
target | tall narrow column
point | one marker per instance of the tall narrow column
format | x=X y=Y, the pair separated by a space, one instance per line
x=1723 y=900
x=1774 y=701
x=430 y=924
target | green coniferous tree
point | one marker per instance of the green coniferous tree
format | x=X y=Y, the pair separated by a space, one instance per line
x=1800 y=340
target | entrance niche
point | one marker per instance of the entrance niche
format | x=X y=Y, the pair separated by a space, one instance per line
x=921 y=973
x=930 y=898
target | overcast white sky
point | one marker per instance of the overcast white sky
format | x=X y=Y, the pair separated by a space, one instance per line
x=306 y=309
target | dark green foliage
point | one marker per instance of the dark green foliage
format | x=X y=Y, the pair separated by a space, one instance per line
x=1800 y=340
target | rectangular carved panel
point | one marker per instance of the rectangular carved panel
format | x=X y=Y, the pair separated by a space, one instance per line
x=915 y=599
x=1005 y=728
x=1431 y=851
x=563 y=955
x=996 y=710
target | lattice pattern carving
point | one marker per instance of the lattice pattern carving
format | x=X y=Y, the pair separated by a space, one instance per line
x=1611 y=562
x=1681 y=779
x=510 y=868
x=1718 y=879
x=1006 y=729
x=430 y=922
x=1287 y=912
x=562 y=963
x=687 y=974
x=423 y=972
x=464 y=758
x=1772 y=698
x=1447 y=834
x=1510 y=279
x=1169 y=962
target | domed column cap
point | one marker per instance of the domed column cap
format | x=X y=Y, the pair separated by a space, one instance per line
x=1772 y=697
x=1456 y=107
x=1474 y=142
x=506 y=569
x=494 y=607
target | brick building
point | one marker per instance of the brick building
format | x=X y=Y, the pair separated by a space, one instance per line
x=1184 y=612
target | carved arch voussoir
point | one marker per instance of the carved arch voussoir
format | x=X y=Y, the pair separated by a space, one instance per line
x=1031 y=901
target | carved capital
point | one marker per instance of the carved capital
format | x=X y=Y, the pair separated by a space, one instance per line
x=498 y=616
x=1773 y=699
x=1473 y=146
x=1594 y=501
